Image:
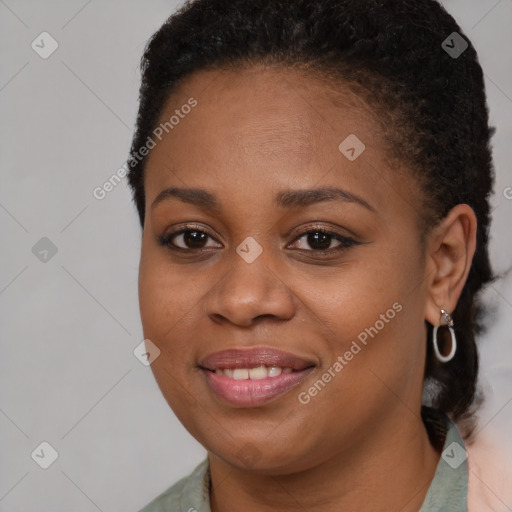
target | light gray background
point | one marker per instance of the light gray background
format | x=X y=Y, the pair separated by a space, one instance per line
x=69 y=326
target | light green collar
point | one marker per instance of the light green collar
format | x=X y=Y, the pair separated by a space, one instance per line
x=449 y=487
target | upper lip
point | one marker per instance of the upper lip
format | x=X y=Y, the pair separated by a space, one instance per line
x=253 y=357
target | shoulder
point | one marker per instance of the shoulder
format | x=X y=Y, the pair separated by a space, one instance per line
x=189 y=493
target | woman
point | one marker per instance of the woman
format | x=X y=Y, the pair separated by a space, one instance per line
x=312 y=179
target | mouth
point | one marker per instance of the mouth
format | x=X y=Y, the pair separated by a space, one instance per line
x=253 y=377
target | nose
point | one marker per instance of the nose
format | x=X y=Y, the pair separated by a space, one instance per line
x=248 y=292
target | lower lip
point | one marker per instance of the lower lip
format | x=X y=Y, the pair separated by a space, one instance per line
x=251 y=393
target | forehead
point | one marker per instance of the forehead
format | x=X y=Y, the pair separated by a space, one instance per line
x=272 y=104
x=267 y=123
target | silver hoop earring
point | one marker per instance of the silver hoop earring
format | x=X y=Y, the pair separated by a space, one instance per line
x=448 y=322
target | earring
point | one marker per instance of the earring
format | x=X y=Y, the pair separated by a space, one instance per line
x=448 y=322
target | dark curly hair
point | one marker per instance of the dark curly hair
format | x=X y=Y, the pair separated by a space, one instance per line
x=393 y=54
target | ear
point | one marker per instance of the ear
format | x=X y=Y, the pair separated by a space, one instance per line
x=450 y=251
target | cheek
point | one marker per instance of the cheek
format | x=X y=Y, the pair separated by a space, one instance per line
x=352 y=297
x=372 y=312
x=168 y=298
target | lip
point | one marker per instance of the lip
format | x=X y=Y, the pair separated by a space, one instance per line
x=253 y=357
x=253 y=393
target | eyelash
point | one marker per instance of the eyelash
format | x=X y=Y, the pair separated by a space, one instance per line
x=345 y=242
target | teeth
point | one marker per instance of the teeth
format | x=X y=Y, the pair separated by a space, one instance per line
x=241 y=374
x=258 y=373
x=275 y=371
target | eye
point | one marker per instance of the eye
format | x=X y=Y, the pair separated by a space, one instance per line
x=188 y=239
x=320 y=241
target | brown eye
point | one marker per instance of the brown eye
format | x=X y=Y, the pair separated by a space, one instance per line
x=193 y=239
x=319 y=241
x=188 y=240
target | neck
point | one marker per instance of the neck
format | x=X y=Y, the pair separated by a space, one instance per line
x=391 y=469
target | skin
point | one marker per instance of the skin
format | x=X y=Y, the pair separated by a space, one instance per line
x=255 y=132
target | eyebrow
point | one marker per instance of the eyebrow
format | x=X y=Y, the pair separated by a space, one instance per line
x=303 y=198
x=285 y=199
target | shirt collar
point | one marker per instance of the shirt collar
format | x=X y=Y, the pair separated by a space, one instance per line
x=449 y=487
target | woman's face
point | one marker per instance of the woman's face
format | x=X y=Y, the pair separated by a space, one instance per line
x=320 y=293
